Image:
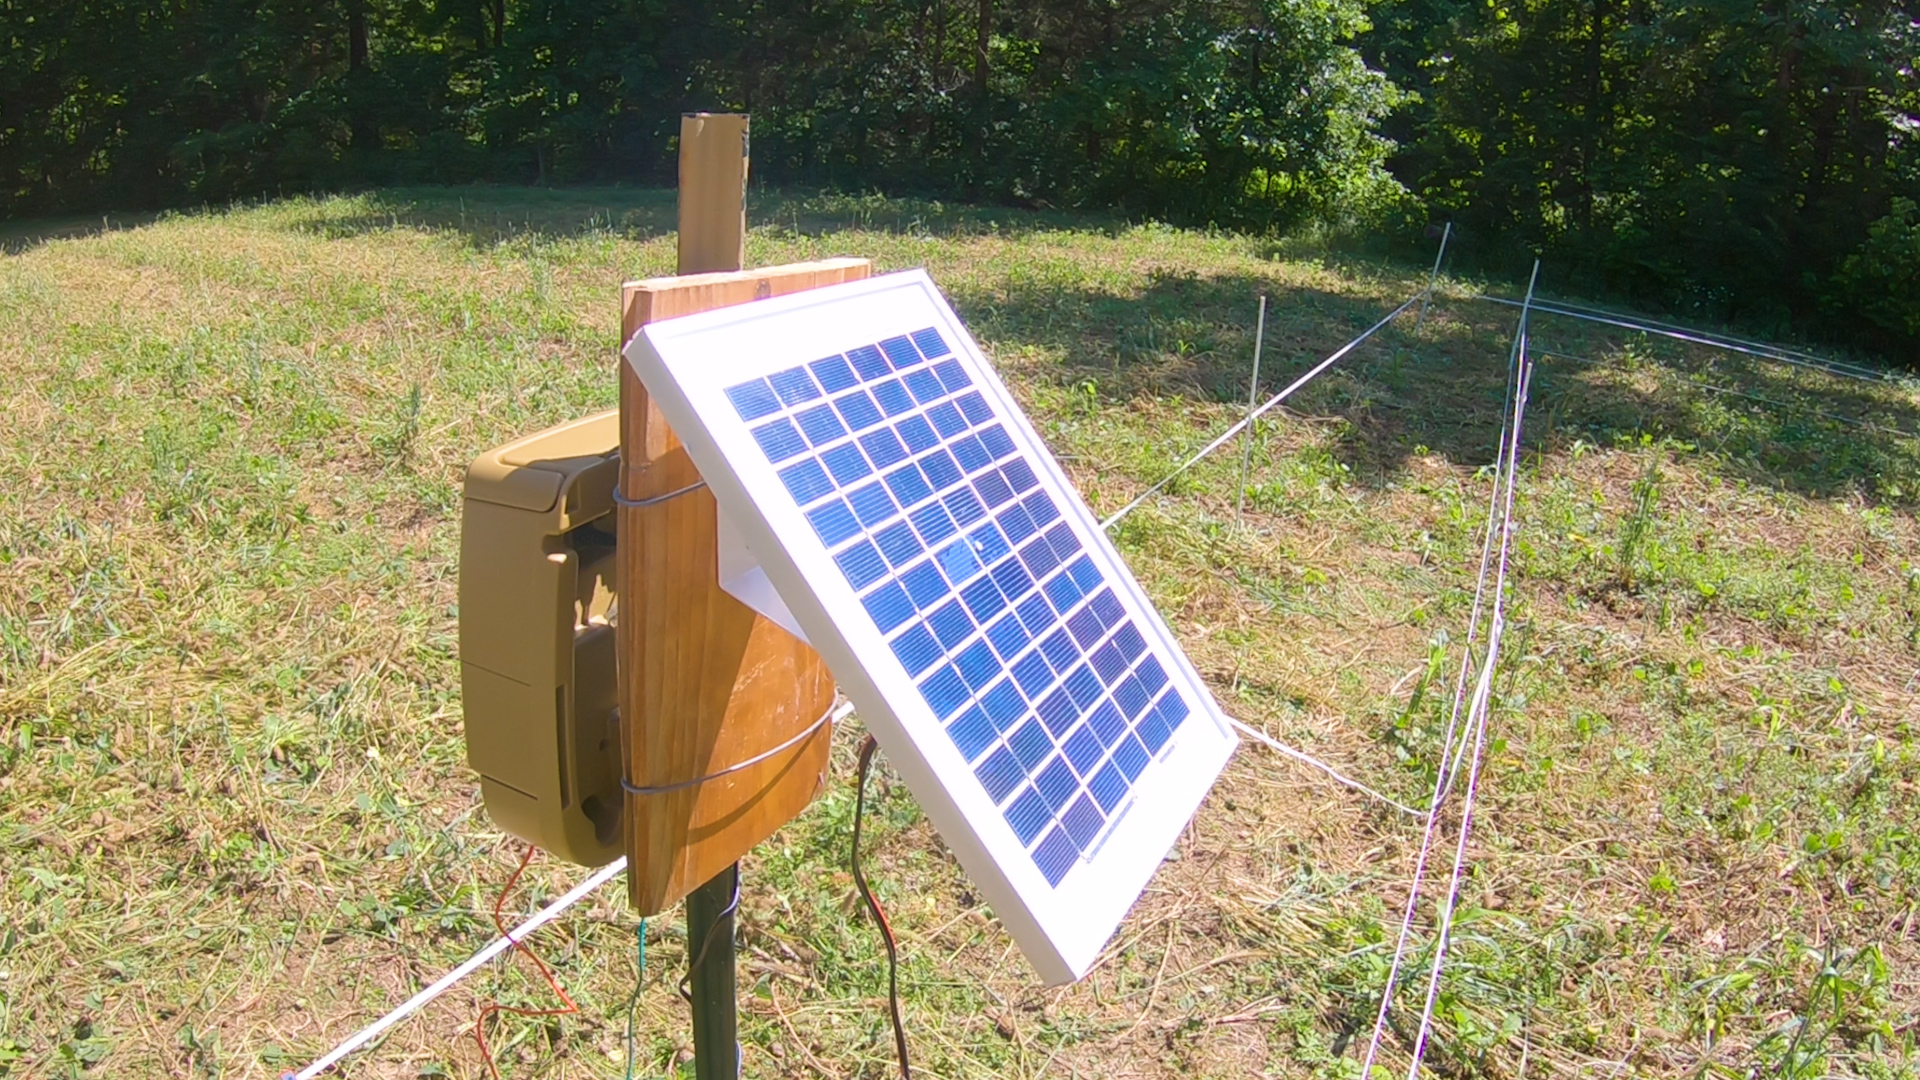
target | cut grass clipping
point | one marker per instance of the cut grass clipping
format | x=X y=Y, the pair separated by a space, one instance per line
x=238 y=824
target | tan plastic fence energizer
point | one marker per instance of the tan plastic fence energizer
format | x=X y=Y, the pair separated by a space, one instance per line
x=537 y=611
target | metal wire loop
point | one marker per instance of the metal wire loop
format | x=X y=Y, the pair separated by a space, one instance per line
x=635 y=504
x=635 y=789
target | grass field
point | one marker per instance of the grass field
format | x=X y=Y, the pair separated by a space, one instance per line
x=236 y=822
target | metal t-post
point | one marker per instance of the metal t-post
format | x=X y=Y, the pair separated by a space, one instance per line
x=710 y=974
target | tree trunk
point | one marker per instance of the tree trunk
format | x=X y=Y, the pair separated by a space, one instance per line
x=365 y=133
x=499 y=23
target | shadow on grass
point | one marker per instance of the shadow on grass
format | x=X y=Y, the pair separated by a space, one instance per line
x=1441 y=391
x=487 y=216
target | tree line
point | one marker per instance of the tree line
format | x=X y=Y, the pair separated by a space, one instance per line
x=1753 y=159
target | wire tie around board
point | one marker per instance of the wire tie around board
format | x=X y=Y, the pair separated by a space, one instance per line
x=632 y=788
x=635 y=504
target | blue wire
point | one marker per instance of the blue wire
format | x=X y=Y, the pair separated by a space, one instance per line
x=639 y=980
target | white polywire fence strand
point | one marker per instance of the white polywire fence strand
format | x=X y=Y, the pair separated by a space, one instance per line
x=1449 y=762
x=446 y=982
x=1305 y=758
x=1836 y=368
x=1477 y=718
x=1227 y=435
x=1798 y=354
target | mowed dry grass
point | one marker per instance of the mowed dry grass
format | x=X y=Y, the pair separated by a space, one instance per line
x=236 y=822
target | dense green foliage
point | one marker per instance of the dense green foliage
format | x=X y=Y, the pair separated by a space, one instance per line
x=1727 y=157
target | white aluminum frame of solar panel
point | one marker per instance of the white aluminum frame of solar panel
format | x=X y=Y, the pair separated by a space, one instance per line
x=1018 y=678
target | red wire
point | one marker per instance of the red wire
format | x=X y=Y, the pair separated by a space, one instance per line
x=492 y=1007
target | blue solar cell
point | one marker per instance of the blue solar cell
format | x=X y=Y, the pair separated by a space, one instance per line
x=753 y=400
x=834 y=373
x=935 y=525
x=983 y=599
x=1062 y=593
x=900 y=352
x=974 y=408
x=988 y=544
x=965 y=507
x=1085 y=574
x=924 y=386
x=1109 y=786
x=1082 y=822
x=779 y=440
x=821 y=425
x=1040 y=505
x=907 y=484
x=1063 y=541
x=1131 y=757
x=1130 y=642
x=1028 y=814
x=968 y=451
x=947 y=420
x=1030 y=744
x=916 y=433
x=858 y=410
x=1060 y=650
x=957 y=560
x=1012 y=578
x=1083 y=750
x=794 y=386
x=1039 y=557
x=1033 y=674
x=1017 y=522
x=1152 y=675
x=925 y=585
x=846 y=463
x=871 y=504
x=916 y=649
x=971 y=734
x=1057 y=784
x=952 y=376
x=1000 y=774
x=1153 y=731
x=1057 y=712
x=950 y=624
x=1109 y=664
x=1085 y=627
x=898 y=543
x=883 y=447
x=993 y=489
x=1131 y=697
x=1173 y=709
x=944 y=691
x=930 y=343
x=1107 y=606
x=1035 y=613
x=862 y=565
x=1107 y=723
x=941 y=472
x=889 y=606
x=977 y=665
x=1083 y=686
x=1020 y=475
x=834 y=523
x=868 y=362
x=1007 y=636
x=1004 y=704
x=806 y=481
x=893 y=397
x=1055 y=856
x=998 y=443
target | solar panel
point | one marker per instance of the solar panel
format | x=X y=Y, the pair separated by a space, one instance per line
x=918 y=533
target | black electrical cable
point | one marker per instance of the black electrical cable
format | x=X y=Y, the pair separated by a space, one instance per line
x=733 y=905
x=860 y=879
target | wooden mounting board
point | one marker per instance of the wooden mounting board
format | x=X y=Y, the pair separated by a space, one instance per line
x=704 y=681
